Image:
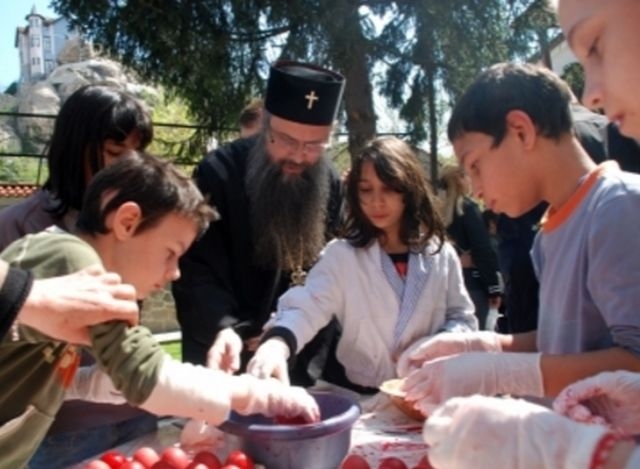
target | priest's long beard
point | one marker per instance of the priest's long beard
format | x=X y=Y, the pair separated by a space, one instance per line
x=287 y=212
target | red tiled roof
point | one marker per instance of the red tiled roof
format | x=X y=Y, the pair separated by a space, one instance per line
x=17 y=190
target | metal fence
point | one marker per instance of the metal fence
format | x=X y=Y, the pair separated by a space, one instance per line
x=184 y=144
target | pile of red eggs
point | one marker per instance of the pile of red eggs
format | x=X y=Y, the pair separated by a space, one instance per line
x=171 y=458
x=355 y=461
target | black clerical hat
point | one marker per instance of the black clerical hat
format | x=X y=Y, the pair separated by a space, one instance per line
x=303 y=93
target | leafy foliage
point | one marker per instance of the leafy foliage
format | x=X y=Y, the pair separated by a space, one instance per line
x=573 y=74
x=12 y=89
x=175 y=134
x=215 y=54
x=435 y=49
x=534 y=28
x=19 y=170
x=198 y=49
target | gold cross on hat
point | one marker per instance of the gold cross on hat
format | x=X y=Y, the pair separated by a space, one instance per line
x=311 y=97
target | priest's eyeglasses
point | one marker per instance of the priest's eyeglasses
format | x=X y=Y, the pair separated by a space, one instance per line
x=287 y=143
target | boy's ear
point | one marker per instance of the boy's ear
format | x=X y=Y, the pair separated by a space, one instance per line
x=125 y=220
x=521 y=125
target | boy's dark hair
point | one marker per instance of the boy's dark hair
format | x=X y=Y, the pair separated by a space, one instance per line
x=397 y=166
x=505 y=87
x=87 y=118
x=251 y=113
x=157 y=186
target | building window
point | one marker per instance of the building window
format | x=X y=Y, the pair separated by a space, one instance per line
x=47 y=44
x=35 y=41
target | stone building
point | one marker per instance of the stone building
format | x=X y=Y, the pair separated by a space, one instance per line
x=39 y=44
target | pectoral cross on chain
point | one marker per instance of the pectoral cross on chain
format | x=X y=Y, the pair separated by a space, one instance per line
x=311 y=98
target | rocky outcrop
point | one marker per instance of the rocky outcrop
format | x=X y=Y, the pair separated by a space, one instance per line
x=40 y=98
x=76 y=50
x=10 y=142
x=45 y=97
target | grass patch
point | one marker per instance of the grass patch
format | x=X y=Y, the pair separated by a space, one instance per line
x=173 y=349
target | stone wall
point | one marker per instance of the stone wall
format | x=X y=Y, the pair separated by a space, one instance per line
x=159 y=312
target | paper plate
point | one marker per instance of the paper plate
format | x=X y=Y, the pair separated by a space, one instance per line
x=392 y=387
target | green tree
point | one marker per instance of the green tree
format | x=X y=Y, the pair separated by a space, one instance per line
x=209 y=52
x=215 y=53
x=175 y=134
x=534 y=29
x=573 y=74
x=434 y=50
x=12 y=89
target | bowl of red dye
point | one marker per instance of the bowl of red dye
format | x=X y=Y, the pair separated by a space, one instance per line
x=279 y=443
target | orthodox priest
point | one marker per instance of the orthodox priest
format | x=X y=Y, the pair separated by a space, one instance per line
x=279 y=200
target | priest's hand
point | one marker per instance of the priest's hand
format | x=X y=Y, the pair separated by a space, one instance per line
x=224 y=354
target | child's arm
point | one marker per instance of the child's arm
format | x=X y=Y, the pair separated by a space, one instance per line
x=149 y=378
x=523 y=342
x=304 y=310
x=558 y=371
x=459 y=316
x=197 y=392
x=442 y=345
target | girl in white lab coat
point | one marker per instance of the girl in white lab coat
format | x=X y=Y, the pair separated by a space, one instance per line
x=391 y=278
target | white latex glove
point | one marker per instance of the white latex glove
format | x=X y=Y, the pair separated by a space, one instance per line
x=443 y=344
x=198 y=435
x=270 y=360
x=186 y=390
x=192 y=391
x=90 y=383
x=224 y=354
x=272 y=398
x=474 y=373
x=609 y=398
x=481 y=432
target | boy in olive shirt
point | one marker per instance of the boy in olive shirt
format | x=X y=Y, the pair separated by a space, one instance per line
x=139 y=216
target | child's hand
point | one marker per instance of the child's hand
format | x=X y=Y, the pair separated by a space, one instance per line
x=272 y=398
x=473 y=373
x=488 y=432
x=444 y=344
x=270 y=360
x=607 y=398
